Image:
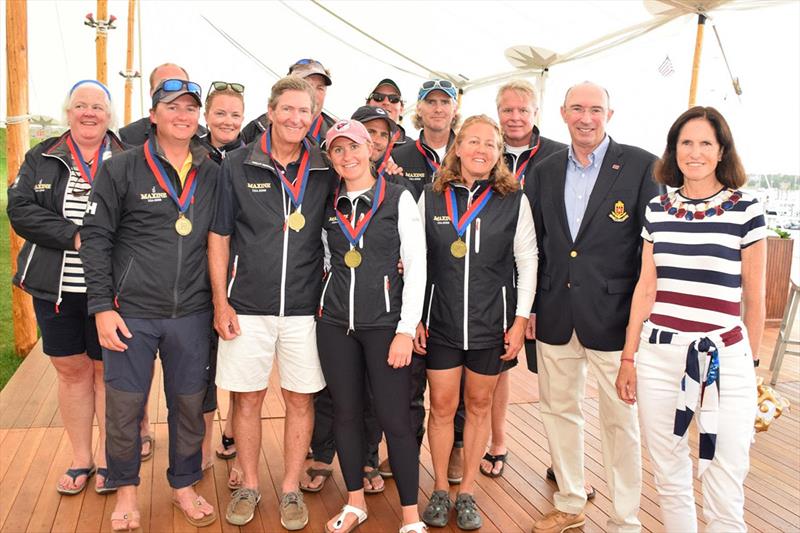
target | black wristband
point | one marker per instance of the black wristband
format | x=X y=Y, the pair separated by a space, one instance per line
x=756 y=362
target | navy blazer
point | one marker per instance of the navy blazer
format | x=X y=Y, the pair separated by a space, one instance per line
x=587 y=285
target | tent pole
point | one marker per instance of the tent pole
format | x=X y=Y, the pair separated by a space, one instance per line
x=541 y=81
x=698 y=50
x=129 y=75
x=100 y=41
x=18 y=143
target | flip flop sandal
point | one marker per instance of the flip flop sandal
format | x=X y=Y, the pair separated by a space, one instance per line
x=361 y=516
x=416 y=527
x=205 y=520
x=227 y=442
x=152 y=441
x=128 y=517
x=104 y=490
x=239 y=483
x=325 y=473
x=369 y=476
x=75 y=473
x=494 y=459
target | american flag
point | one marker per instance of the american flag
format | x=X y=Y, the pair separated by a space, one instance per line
x=665 y=68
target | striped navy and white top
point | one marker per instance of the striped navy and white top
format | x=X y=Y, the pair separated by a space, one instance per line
x=699 y=262
x=76 y=198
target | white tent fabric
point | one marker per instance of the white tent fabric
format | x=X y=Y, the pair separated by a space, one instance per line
x=362 y=42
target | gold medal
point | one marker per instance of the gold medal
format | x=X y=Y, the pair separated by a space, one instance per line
x=183 y=225
x=352 y=258
x=458 y=249
x=297 y=221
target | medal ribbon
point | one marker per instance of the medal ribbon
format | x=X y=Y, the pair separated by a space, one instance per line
x=523 y=166
x=189 y=186
x=353 y=234
x=297 y=190
x=87 y=173
x=315 y=128
x=434 y=166
x=388 y=153
x=461 y=224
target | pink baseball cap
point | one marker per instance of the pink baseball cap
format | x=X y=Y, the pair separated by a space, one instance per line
x=352 y=129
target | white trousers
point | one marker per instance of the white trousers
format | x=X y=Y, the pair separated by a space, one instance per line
x=659 y=369
x=562 y=383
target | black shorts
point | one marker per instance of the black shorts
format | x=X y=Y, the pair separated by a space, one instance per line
x=71 y=330
x=486 y=362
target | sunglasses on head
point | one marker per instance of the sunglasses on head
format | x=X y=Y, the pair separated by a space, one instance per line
x=442 y=85
x=380 y=97
x=171 y=86
x=222 y=85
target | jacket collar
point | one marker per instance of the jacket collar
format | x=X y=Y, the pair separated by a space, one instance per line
x=198 y=149
x=257 y=157
x=61 y=151
x=532 y=142
x=431 y=151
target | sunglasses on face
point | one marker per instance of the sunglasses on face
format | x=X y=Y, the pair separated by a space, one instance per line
x=380 y=97
x=171 y=86
x=222 y=85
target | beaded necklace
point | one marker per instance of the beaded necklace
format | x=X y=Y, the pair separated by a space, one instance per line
x=723 y=201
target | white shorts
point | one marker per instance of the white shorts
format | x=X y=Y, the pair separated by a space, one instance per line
x=244 y=363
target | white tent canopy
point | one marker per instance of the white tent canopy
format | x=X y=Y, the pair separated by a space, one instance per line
x=619 y=44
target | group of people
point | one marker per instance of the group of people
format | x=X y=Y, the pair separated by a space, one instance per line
x=370 y=265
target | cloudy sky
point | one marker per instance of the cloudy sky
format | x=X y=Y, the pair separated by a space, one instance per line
x=467 y=38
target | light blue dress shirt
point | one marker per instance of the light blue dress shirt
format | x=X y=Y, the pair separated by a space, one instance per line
x=579 y=183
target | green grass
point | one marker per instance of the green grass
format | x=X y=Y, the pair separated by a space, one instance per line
x=8 y=358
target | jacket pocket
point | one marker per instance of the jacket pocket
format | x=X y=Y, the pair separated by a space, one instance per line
x=430 y=306
x=544 y=283
x=324 y=290
x=122 y=279
x=386 y=293
x=27 y=265
x=233 y=274
x=620 y=286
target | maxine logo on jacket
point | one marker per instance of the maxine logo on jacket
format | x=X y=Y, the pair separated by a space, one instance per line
x=41 y=186
x=153 y=195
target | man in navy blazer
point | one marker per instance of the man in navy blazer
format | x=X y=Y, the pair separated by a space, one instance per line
x=588 y=205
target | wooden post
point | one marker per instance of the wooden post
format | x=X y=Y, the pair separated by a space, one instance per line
x=18 y=143
x=101 y=40
x=698 y=50
x=129 y=62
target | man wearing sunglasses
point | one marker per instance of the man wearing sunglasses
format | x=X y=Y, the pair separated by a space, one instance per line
x=135 y=133
x=144 y=251
x=320 y=79
x=387 y=96
x=436 y=116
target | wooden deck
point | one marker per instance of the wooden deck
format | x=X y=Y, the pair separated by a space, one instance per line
x=34 y=451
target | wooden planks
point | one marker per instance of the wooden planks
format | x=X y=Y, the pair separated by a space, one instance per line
x=34 y=452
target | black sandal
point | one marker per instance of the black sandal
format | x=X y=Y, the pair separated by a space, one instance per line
x=494 y=459
x=227 y=442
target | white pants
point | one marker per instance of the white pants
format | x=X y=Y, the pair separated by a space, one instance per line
x=659 y=369
x=562 y=382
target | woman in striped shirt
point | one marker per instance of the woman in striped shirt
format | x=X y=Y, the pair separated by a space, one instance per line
x=696 y=321
x=46 y=205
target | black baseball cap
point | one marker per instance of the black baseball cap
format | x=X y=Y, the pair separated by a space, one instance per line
x=387 y=81
x=366 y=113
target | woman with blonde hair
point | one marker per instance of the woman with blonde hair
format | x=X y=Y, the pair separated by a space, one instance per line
x=482 y=261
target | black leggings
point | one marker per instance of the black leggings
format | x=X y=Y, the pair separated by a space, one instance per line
x=346 y=360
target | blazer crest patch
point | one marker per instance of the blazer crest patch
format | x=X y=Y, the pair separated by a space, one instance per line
x=618 y=214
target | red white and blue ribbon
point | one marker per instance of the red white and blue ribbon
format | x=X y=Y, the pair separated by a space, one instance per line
x=461 y=224
x=190 y=185
x=87 y=172
x=296 y=190
x=520 y=174
x=316 y=128
x=388 y=153
x=432 y=164
x=353 y=234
